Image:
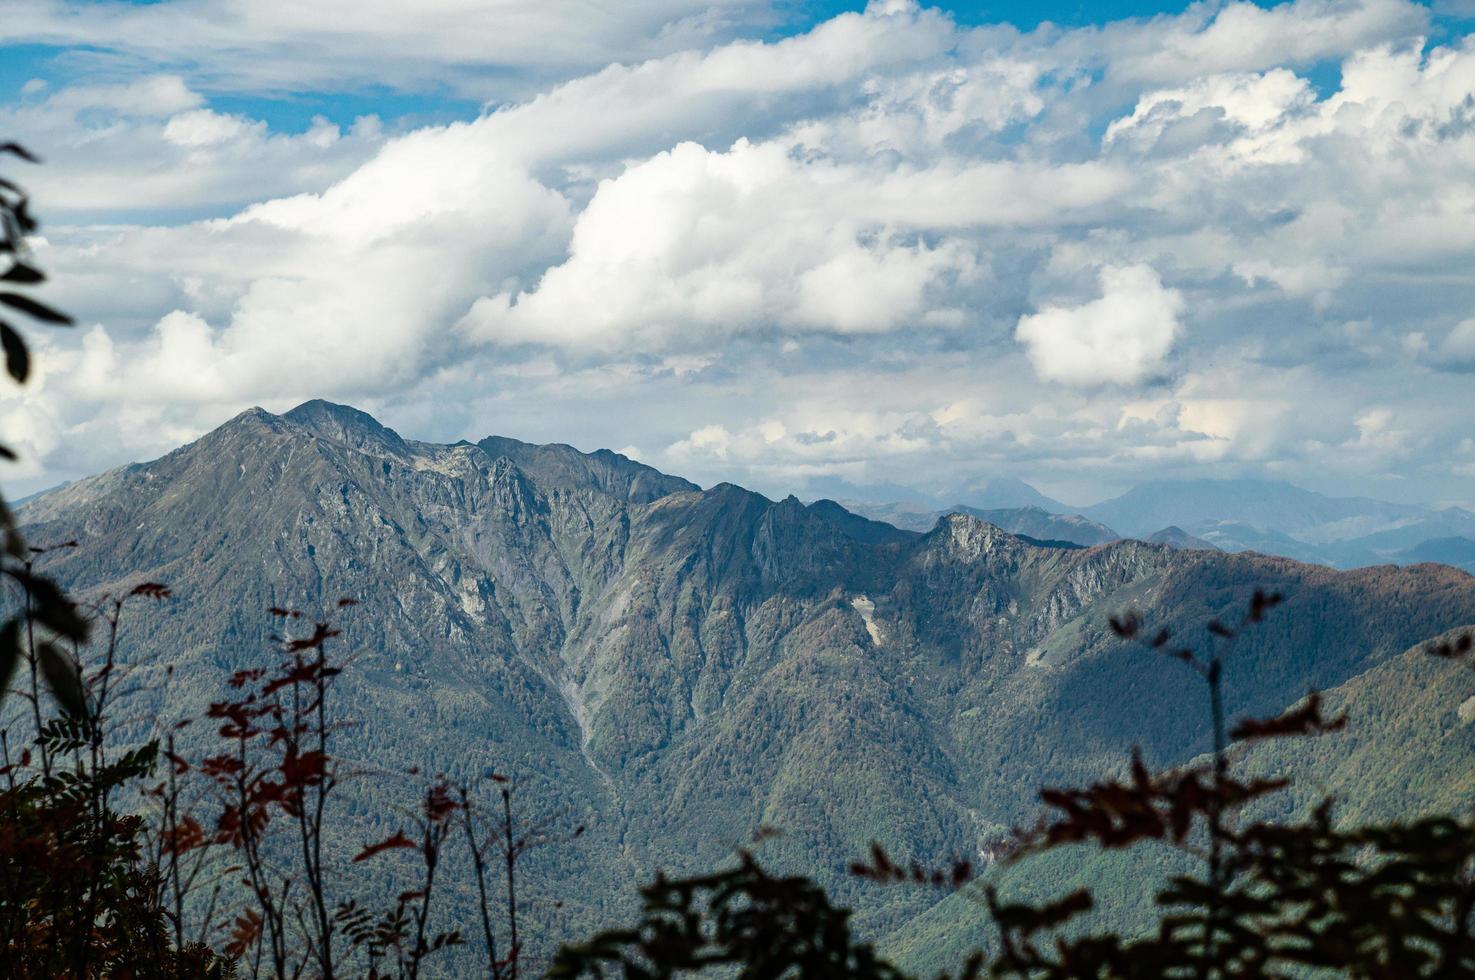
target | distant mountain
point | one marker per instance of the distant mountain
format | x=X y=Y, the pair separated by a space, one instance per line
x=1176 y=537
x=684 y=665
x=1007 y=493
x=1033 y=522
x=1404 y=537
x=1281 y=519
x=907 y=516
x=1236 y=536
x=1459 y=552
x=1262 y=504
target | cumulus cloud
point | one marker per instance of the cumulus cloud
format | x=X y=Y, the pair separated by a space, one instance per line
x=694 y=243
x=1121 y=337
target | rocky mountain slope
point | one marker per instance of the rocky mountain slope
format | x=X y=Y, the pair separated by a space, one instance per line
x=1030 y=521
x=685 y=665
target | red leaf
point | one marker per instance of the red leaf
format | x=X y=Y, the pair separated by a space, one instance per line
x=398 y=840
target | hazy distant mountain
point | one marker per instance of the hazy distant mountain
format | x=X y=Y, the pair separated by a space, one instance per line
x=1237 y=536
x=1229 y=515
x=1459 y=552
x=1176 y=537
x=1392 y=542
x=907 y=516
x=1262 y=504
x=686 y=664
x=1281 y=519
x=1035 y=522
x=1006 y=493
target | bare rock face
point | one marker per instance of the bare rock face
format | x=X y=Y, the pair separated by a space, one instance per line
x=688 y=664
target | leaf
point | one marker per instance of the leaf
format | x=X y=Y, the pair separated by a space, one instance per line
x=398 y=840
x=38 y=310
x=151 y=590
x=1127 y=626
x=19 y=151
x=9 y=654
x=1028 y=919
x=64 y=679
x=1305 y=720
x=53 y=608
x=17 y=358
x=24 y=274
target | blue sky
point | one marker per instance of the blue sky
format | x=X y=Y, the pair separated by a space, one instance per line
x=798 y=246
x=424 y=104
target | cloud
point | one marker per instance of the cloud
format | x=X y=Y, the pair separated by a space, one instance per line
x=1121 y=337
x=692 y=244
x=134 y=149
x=1243 y=36
x=489 y=48
x=1455 y=352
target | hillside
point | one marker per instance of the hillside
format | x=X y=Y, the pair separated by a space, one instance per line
x=684 y=665
x=1405 y=751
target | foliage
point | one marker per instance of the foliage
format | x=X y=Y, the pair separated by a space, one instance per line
x=78 y=893
x=759 y=924
x=44 y=606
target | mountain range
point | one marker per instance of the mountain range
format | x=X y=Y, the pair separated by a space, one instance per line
x=1229 y=515
x=680 y=666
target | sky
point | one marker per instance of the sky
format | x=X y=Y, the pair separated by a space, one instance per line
x=809 y=247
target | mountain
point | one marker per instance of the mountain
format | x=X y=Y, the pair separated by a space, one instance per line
x=1405 y=538
x=1007 y=493
x=684 y=665
x=1406 y=750
x=1176 y=537
x=900 y=514
x=1459 y=552
x=1262 y=504
x=1281 y=519
x=1042 y=525
x=1033 y=522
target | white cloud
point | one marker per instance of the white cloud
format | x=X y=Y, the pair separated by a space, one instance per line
x=693 y=243
x=152 y=144
x=1122 y=336
x=1455 y=352
x=1243 y=36
x=490 y=48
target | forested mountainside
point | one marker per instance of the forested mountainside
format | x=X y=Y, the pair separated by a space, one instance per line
x=680 y=666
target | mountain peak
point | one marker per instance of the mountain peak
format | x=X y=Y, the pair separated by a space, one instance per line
x=1012 y=492
x=253 y=416
x=345 y=424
